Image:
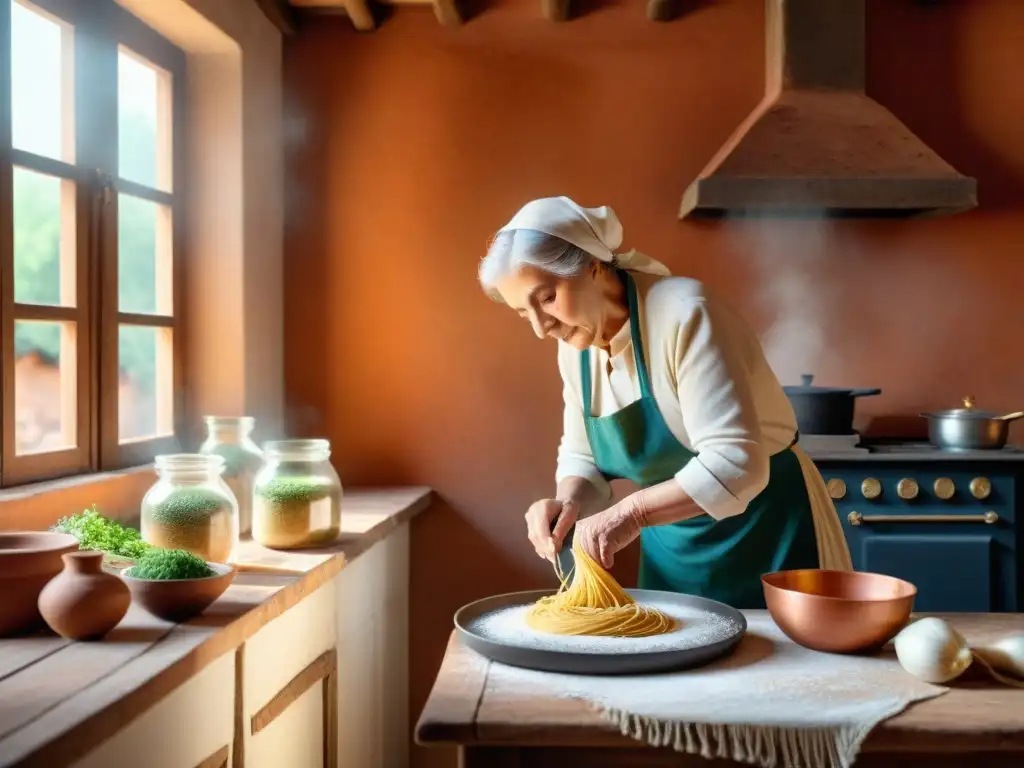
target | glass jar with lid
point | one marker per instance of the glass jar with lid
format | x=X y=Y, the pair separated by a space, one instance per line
x=191 y=507
x=230 y=438
x=296 y=496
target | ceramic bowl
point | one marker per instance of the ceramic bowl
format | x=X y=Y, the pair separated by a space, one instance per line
x=179 y=600
x=838 y=611
x=28 y=560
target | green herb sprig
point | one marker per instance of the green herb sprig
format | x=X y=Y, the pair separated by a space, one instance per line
x=94 y=531
x=165 y=564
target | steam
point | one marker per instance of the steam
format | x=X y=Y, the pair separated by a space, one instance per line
x=791 y=290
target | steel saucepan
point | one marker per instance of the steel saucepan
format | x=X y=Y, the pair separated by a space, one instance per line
x=969 y=428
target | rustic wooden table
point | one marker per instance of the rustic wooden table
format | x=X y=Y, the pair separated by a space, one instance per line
x=977 y=720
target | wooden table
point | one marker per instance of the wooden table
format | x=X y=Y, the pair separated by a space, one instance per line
x=976 y=721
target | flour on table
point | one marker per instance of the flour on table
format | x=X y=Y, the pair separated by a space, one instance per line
x=695 y=628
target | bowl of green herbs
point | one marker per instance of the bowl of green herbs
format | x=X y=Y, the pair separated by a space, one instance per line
x=174 y=584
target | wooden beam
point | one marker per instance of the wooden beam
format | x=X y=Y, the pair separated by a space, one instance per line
x=280 y=14
x=361 y=14
x=662 y=10
x=447 y=13
x=556 y=10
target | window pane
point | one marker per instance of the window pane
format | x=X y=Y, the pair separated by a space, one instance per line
x=144 y=256
x=44 y=239
x=145 y=399
x=42 y=83
x=144 y=120
x=45 y=391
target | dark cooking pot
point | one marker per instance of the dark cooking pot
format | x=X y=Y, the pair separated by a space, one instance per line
x=824 y=410
x=969 y=428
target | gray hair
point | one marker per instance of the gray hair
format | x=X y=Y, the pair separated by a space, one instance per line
x=515 y=248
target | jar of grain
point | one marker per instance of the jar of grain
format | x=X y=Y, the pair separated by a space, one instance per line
x=230 y=438
x=191 y=507
x=296 y=496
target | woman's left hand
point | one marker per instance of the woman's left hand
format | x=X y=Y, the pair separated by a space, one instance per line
x=604 y=534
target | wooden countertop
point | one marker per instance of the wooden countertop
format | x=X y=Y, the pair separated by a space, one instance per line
x=59 y=699
x=464 y=709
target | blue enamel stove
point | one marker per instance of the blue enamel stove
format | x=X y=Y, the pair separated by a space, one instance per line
x=945 y=521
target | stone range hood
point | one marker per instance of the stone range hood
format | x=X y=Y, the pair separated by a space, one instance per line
x=817 y=145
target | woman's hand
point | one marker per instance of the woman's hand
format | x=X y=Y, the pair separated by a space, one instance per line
x=539 y=518
x=604 y=534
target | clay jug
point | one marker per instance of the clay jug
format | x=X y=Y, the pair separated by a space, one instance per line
x=83 y=602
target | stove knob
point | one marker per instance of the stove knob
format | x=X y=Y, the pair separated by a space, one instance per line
x=836 y=488
x=871 y=488
x=981 y=487
x=907 y=488
x=944 y=488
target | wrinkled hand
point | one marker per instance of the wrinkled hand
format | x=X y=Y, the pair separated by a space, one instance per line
x=604 y=534
x=539 y=517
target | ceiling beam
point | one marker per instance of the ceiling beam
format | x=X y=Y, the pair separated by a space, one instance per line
x=361 y=14
x=556 y=10
x=447 y=13
x=662 y=10
x=280 y=14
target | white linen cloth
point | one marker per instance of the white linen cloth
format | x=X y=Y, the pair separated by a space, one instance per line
x=772 y=702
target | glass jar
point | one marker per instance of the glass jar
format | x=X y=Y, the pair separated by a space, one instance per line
x=229 y=437
x=191 y=507
x=296 y=496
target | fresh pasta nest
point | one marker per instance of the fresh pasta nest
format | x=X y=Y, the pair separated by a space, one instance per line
x=595 y=604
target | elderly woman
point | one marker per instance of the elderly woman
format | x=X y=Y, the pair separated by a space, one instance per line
x=666 y=386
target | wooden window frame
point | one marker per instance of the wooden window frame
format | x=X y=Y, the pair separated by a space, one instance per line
x=101 y=28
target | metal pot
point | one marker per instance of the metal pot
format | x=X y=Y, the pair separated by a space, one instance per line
x=824 y=410
x=969 y=428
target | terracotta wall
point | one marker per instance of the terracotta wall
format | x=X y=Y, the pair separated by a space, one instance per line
x=409 y=146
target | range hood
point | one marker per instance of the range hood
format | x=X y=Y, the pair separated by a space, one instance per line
x=817 y=145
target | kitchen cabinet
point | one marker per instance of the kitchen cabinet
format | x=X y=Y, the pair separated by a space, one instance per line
x=302 y=663
x=287 y=671
x=372 y=608
x=191 y=727
x=948 y=526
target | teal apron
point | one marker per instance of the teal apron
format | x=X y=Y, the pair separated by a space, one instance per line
x=719 y=559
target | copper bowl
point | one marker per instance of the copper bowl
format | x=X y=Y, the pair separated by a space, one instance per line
x=838 y=611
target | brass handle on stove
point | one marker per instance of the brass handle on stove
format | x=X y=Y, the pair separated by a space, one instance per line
x=856 y=518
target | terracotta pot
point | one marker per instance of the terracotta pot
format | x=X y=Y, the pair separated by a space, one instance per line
x=83 y=602
x=179 y=600
x=28 y=560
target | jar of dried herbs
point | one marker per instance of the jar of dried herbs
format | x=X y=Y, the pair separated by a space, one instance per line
x=230 y=438
x=190 y=507
x=296 y=496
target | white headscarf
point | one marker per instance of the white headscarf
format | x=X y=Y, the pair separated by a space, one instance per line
x=596 y=230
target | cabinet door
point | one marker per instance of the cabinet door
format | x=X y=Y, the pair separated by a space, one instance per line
x=192 y=726
x=288 y=690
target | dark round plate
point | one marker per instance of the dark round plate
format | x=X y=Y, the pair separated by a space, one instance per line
x=493 y=627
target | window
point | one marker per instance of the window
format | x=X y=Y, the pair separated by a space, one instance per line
x=90 y=228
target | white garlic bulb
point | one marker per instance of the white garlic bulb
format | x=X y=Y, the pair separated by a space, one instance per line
x=1005 y=656
x=932 y=650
